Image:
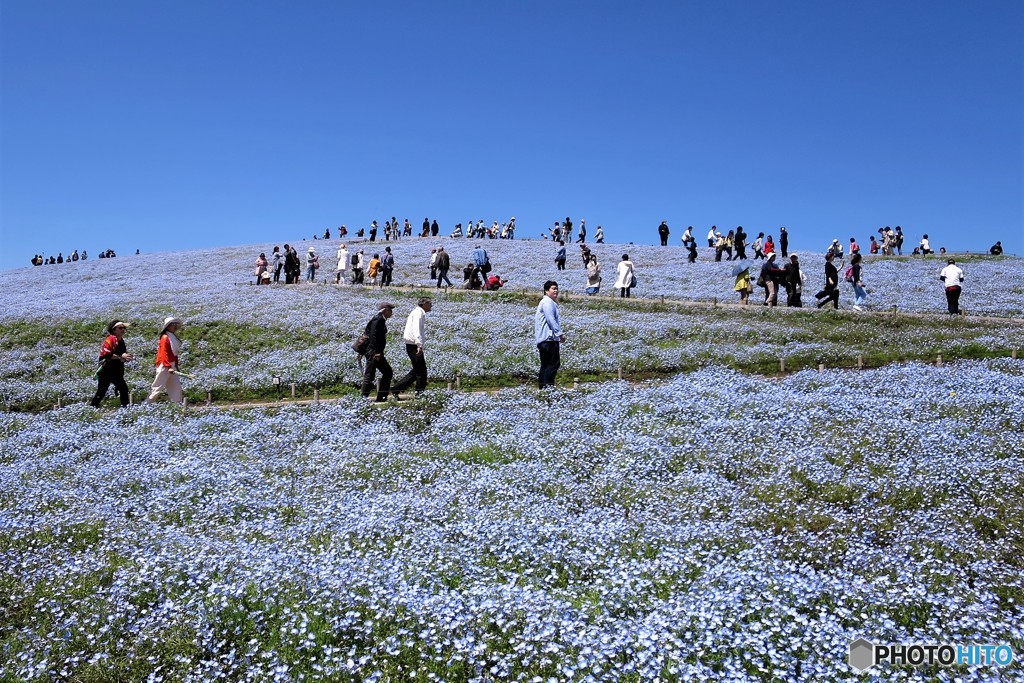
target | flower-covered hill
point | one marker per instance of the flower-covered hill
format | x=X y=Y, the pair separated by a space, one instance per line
x=238 y=336
x=993 y=286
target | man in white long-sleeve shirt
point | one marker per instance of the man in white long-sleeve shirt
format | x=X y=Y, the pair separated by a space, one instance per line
x=414 y=337
x=547 y=334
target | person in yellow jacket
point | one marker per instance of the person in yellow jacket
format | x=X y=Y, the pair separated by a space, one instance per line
x=167 y=375
x=374 y=269
x=744 y=285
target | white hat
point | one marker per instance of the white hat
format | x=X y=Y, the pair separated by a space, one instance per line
x=171 y=320
x=311 y=250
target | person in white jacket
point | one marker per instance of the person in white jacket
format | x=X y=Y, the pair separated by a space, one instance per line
x=414 y=337
x=624 y=282
x=339 y=274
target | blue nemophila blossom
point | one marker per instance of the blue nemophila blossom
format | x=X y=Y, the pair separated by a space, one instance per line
x=711 y=526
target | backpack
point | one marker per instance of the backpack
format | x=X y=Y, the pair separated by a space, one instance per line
x=355 y=259
x=316 y=262
x=849 y=274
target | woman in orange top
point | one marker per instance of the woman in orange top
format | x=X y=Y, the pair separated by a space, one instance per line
x=167 y=350
x=113 y=355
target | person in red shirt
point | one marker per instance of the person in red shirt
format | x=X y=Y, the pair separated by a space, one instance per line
x=167 y=350
x=113 y=355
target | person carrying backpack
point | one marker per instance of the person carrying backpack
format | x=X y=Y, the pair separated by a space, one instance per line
x=387 y=265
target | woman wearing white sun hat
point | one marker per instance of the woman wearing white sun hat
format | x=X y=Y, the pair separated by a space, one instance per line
x=167 y=375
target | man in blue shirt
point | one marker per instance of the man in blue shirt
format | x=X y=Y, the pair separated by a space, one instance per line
x=481 y=264
x=547 y=334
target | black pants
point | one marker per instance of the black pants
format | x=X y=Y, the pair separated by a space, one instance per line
x=106 y=378
x=386 y=373
x=664 y=240
x=560 y=262
x=624 y=292
x=277 y=273
x=550 y=361
x=417 y=374
x=826 y=295
x=953 y=299
x=741 y=252
x=385 y=277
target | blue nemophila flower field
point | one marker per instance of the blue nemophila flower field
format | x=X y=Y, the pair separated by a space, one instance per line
x=238 y=336
x=709 y=526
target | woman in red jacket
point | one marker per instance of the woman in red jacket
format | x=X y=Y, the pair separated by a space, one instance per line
x=167 y=350
x=113 y=355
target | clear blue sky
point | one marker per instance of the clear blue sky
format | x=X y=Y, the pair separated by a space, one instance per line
x=177 y=125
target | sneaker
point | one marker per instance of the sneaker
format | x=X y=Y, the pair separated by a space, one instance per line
x=857 y=308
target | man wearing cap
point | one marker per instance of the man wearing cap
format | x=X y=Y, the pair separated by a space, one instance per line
x=414 y=337
x=113 y=355
x=167 y=351
x=952 y=275
x=377 y=331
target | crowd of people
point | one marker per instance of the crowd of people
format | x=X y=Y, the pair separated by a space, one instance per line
x=40 y=260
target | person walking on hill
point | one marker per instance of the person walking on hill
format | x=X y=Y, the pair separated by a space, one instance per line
x=769 y=279
x=548 y=334
x=414 y=337
x=794 y=281
x=560 y=256
x=626 y=277
x=783 y=241
x=758 y=246
x=377 y=331
x=339 y=274
x=744 y=286
x=830 y=292
x=952 y=276
x=741 y=244
x=599 y=235
x=113 y=355
x=387 y=265
x=663 y=233
x=357 y=268
x=856 y=279
x=712 y=233
x=444 y=264
x=167 y=370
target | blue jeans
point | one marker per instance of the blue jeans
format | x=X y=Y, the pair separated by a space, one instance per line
x=442 y=274
x=310 y=273
x=859 y=295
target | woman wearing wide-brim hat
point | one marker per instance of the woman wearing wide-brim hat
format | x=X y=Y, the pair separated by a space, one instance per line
x=113 y=355
x=167 y=350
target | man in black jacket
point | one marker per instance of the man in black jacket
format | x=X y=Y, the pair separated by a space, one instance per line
x=831 y=290
x=377 y=331
x=663 y=233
